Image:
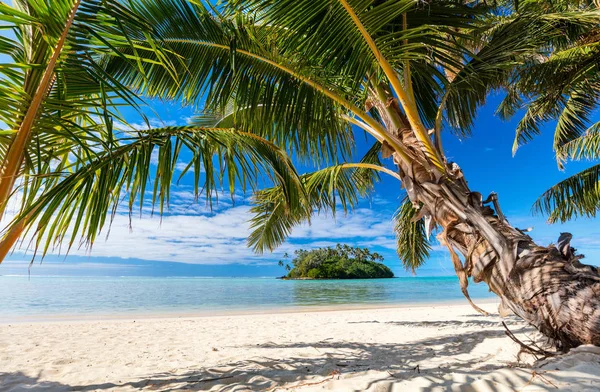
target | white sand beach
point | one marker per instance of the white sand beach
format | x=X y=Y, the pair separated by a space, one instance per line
x=426 y=348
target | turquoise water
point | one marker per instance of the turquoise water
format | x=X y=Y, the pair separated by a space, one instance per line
x=39 y=296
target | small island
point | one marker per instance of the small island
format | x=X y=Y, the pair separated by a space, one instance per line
x=341 y=262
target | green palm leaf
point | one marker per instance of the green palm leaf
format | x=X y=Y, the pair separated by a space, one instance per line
x=79 y=204
x=57 y=102
x=578 y=195
x=235 y=68
x=413 y=245
x=586 y=146
x=326 y=190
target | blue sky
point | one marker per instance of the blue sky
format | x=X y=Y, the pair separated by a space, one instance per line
x=191 y=240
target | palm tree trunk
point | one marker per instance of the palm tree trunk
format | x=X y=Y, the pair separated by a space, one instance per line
x=546 y=286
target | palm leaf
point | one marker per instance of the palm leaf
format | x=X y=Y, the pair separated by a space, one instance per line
x=586 y=146
x=326 y=190
x=79 y=204
x=54 y=92
x=573 y=120
x=413 y=245
x=233 y=68
x=578 y=195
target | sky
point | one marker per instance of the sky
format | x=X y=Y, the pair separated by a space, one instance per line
x=191 y=240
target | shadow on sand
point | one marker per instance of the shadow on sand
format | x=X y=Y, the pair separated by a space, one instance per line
x=396 y=363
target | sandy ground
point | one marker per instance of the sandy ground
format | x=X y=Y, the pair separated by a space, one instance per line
x=429 y=348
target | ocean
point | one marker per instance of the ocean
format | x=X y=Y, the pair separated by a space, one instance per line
x=40 y=296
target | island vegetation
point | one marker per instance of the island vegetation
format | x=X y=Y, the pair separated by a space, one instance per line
x=341 y=262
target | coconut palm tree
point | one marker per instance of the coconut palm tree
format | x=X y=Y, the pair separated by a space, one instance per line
x=563 y=86
x=299 y=75
x=63 y=131
x=58 y=105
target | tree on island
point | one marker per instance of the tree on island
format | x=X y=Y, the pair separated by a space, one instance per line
x=281 y=78
x=341 y=262
x=281 y=263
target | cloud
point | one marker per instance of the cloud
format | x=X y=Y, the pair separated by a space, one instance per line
x=361 y=223
x=192 y=234
x=54 y=265
x=181 y=166
x=152 y=123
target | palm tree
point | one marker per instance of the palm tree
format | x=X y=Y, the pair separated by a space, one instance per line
x=301 y=74
x=564 y=86
x=58 y=105
x=67 y=154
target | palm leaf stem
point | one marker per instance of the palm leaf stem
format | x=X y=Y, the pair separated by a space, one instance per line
x=407 y=73
x=372 y=167
x=437 y=128
x=16 y=152
x=405 y=99
x=383 y=97
x=375 y=129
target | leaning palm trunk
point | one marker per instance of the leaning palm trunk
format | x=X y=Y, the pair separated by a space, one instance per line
x=546 y=286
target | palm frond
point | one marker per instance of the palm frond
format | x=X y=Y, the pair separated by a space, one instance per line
x=586 y=146
x=326 y=189
x=496 y=51
x=578 y=195
x=573 y=120
x=530 y=125
x=79 y=204
x=57 y=102
x=560 y=83
x=233 y=66
x=413 y=246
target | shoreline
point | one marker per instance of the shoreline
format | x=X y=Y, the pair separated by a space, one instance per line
x=167 y=315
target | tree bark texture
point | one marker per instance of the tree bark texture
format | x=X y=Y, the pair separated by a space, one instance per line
x=546 y=286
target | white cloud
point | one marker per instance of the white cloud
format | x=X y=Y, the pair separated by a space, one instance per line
x=191 y=235
x=181 y=166
x=54 y=265
x=362 y=223
x=152 y=123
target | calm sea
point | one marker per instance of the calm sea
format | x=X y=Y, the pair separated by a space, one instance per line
x=21 y=296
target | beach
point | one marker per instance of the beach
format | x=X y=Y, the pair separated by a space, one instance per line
x=445 y=347
x=275 y=195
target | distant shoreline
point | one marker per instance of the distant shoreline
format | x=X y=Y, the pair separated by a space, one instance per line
x=286 y=278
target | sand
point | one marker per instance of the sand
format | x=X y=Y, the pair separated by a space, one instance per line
x=427 y=348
